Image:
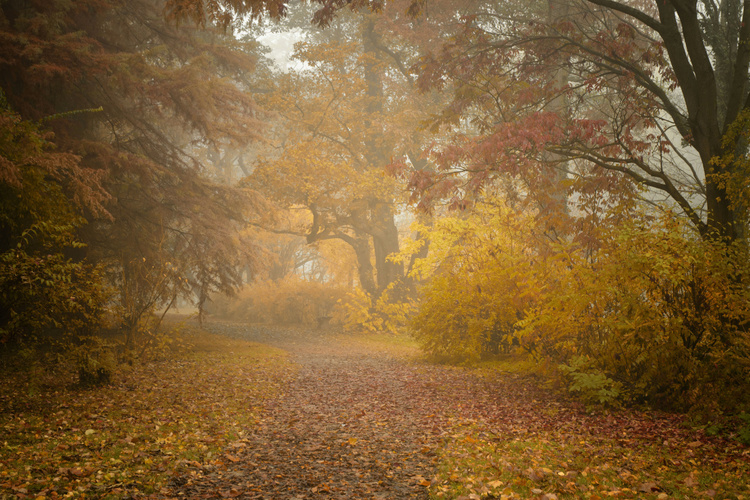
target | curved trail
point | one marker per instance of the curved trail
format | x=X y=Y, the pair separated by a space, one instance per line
x=360 y=419
x=354 y=422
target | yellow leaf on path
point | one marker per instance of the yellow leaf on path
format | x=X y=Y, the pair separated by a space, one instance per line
x=352 y=441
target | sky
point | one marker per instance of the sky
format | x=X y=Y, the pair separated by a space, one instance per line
x=282 y=47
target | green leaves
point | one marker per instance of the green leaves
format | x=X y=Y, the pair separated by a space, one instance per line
x=592 y=385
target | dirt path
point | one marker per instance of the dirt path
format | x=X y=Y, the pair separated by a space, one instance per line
x=360 y=421
x=354 y=423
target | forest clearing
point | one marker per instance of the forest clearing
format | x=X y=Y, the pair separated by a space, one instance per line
x=460 y=249
x=312 y=414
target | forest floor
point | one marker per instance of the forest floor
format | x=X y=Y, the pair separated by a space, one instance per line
x=285 y=413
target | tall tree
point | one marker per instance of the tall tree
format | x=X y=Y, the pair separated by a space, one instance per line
x=348 y=114
x=163 y=92
x=651 y=91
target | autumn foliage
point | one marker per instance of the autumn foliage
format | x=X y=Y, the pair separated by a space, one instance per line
x=287 y=301
x=578 y=171
x=106 y=208
x=650 y=313
x=43 y=287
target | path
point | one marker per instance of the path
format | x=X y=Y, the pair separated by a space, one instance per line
x=353 y=424
x=358 y=422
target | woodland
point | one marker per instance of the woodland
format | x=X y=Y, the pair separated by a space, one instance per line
x=556 y=189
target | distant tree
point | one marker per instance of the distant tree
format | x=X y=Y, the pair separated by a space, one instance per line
x=349 y=114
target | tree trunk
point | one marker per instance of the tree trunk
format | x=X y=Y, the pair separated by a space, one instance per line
x=361 y=245
x=386 y=243
x=383 y=227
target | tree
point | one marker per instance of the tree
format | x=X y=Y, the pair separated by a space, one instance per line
x=598 y=121
x=347 y=117
x=166 y=92
x=42 y=194
x=650 y=91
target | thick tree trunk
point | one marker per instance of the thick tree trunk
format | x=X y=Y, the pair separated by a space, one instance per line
x=382 y=224
x=361 y=246
x=385 y=244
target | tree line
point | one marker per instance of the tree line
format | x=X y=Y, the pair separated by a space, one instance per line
x=562 y=178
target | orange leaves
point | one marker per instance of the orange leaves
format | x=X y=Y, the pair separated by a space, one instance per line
x=224 y=13
x=130 y=437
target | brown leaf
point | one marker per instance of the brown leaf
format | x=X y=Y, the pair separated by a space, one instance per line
x=648 y=487
x=78 y=472
x=534 y=475
x=690 y=481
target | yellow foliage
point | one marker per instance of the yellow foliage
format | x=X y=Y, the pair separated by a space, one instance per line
x=647 y=310
x=480 y=282
x=655 y=308
x=354 y=312
x=390 y=313
x=289 y=301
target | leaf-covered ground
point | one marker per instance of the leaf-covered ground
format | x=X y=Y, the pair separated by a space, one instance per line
x=128 y=438
x=320 y=416
x=363 y=419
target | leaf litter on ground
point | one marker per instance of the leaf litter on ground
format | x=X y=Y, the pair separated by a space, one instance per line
x=128 y=438
x=320 y=415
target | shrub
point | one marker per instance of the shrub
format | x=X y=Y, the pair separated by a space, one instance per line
x=663 y=313
x=288 y=301
x=591 y=384
x=44 y=294
x=390 y=313
x=478 y=284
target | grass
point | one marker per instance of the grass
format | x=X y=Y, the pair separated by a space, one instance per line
x=475 y=463
x=130 y=437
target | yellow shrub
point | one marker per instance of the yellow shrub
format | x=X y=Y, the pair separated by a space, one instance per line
x=289 y=301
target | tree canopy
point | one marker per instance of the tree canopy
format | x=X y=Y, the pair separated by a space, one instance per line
x=562 y=179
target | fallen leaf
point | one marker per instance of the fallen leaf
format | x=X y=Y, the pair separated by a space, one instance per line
x=648 y=487
x=690 y=481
